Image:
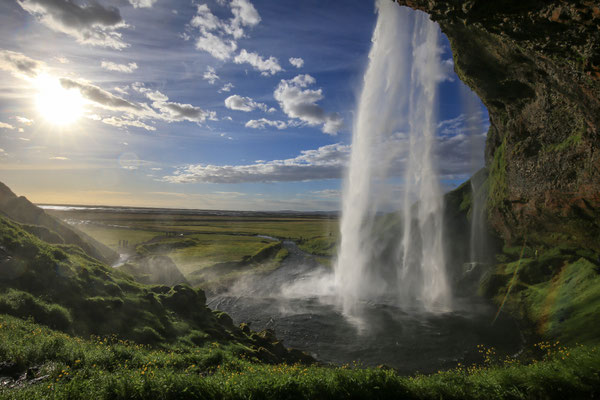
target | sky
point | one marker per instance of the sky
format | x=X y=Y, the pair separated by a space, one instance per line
x=220 y=104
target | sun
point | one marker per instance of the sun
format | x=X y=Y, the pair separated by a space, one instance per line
x=58 y=105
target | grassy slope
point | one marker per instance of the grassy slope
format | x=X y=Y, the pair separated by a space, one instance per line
x=112 y=369
x=62 y=287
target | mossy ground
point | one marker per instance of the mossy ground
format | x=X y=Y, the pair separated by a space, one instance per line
x=556 y=290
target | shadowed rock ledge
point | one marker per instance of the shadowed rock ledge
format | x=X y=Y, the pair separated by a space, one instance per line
x=536 y=67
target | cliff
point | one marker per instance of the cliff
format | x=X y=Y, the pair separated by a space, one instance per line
x=536 y=67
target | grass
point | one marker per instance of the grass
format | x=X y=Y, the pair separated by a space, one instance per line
x=110 y=236
x=213 y=249
x=108 y=368
x=291 y=227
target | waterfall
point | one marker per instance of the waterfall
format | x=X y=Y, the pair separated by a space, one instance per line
x=395 y=131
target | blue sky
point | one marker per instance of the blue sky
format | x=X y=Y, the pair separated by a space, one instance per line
x=241 y=104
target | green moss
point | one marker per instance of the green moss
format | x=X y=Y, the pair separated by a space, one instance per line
x=557 y=290
x=566 y=307
x=570 y=142
x=467 y=201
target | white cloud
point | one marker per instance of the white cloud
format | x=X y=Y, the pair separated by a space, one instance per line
x=123 y=90
x=240 y=103
x=296 y=62
x=126 y=68
x=210 y=75
x=171 y=111
x=4 y=125
x=301 y=103
x=90 y=23
x=244 y=14
x=261 y=123
x=24 y=139
x=226 y=87
x=59 y=158
x=62 y=60
x=19 y=64
x=326 y=162
x=123 y=122
x=100 y=96
x=142 y=3
x=458 y=140
x=219 y=48
x=269 y=66
x=327 y=193
x=160 y=108
x=219 y=37
x=447 y=70
x=205 y=19
x=24 y=121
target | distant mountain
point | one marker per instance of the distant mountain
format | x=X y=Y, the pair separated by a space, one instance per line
x=44 y=226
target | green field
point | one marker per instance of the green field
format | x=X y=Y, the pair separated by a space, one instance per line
x=111 y=236
x=198 y=243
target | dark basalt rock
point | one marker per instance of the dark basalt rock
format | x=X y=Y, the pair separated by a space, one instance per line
x=536 y=66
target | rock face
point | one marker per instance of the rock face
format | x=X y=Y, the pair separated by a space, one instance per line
x=536 y=67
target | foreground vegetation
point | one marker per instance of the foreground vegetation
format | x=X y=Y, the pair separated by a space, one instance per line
x=54 y=365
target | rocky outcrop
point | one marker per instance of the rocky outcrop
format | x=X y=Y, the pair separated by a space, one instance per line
x=536 y=66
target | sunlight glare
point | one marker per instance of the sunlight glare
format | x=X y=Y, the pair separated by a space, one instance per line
x=56 y=104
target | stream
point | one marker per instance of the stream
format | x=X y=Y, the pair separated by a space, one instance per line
x=293 y=301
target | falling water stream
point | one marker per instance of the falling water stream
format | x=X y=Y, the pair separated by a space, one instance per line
x=396 y=119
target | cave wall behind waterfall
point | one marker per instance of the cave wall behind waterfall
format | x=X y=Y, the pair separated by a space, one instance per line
x=536 y=67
